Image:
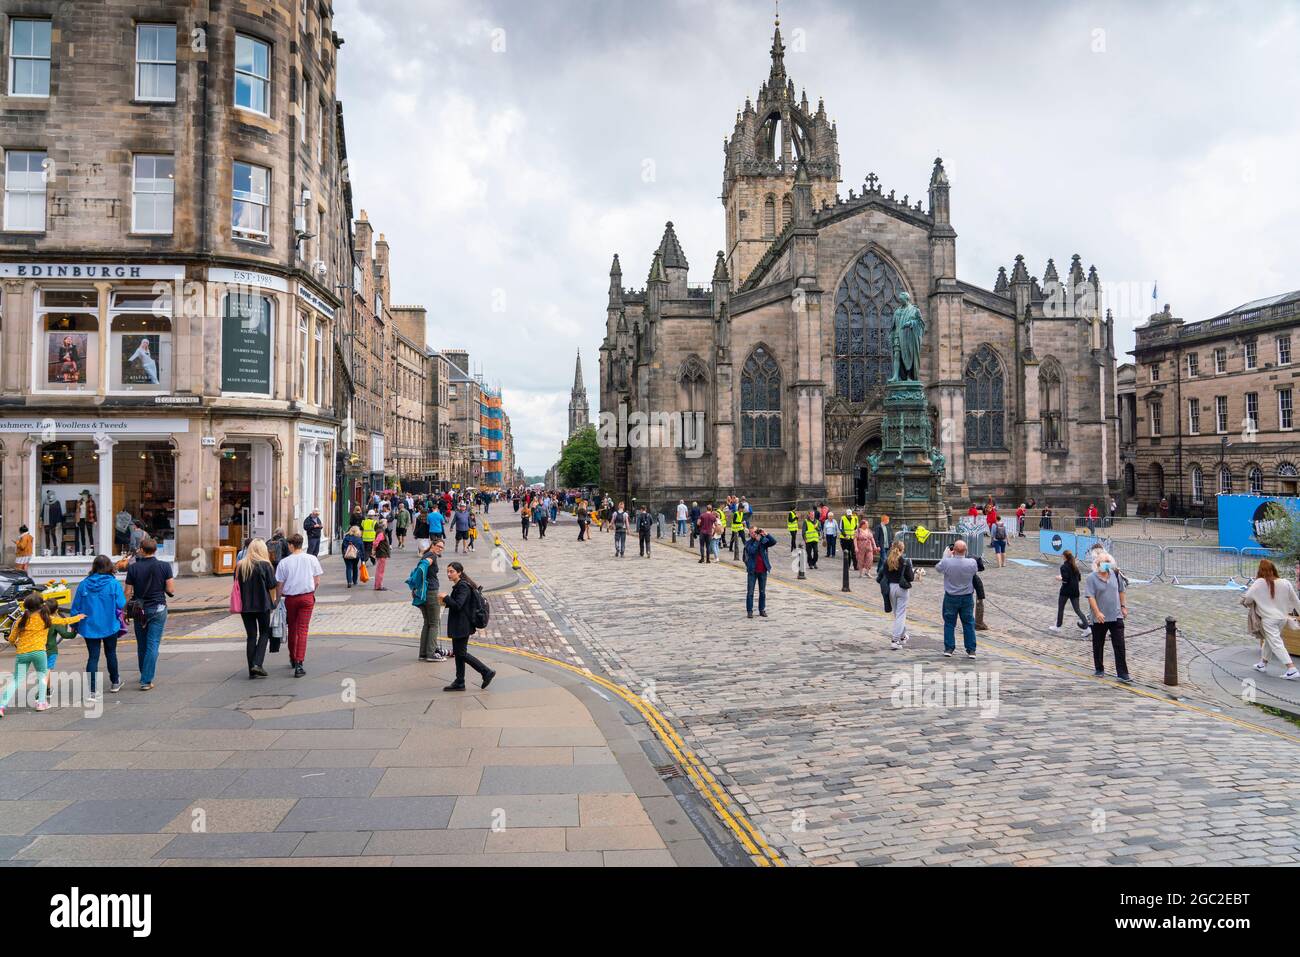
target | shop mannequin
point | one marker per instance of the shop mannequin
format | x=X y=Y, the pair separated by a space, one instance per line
x=52 y=521
x=87 y=515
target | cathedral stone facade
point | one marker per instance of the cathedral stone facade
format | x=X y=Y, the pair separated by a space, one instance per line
x=769 y=381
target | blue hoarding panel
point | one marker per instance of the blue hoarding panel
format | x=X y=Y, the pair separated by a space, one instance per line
x=1243 y=517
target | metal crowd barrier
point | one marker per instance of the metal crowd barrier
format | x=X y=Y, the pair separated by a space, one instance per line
x=1184 y=563
x=1147 y=561
x=931 y=550
x=1140 y=561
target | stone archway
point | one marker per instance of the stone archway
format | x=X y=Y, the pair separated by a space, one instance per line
x=865 y=440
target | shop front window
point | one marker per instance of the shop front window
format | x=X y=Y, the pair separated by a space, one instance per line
x=67 y=346
x=68 y=503
x=140 y=348
x=144 y=492
x=236 y=494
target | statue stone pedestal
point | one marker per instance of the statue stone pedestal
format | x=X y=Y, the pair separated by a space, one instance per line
x=907 y=479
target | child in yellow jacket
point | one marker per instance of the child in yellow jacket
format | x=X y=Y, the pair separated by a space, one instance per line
x=29 y=636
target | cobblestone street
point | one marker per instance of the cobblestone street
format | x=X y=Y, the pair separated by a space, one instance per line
x=797 y=717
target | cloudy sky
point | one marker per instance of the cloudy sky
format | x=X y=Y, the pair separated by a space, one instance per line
x=501 y=145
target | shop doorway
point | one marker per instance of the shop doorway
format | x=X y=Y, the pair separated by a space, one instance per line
x=245 y=506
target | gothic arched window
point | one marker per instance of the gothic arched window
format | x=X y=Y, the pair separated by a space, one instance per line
x=760 y=402
x=769 y=218
x=787 y=211
x=1051 y=405
x=694 y=384
x=985 y=404
x=864 y=317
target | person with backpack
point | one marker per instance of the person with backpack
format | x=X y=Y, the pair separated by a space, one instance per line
x=757 y=565
x=276 y=547
x=101 y=598
x=1108 y=603
x=1070 y=577
x=423 y=583
x=999 y=535
x=467 y=612
x=354 y=548
x=900 y=574
x=643 y=525
x=620 y=520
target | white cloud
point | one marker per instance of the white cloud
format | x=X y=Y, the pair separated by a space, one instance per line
x=522 y=172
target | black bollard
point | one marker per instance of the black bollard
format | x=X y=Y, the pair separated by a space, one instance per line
x=847 y=561
x=1171 y=652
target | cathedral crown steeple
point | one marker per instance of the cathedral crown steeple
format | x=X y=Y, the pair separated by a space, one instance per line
x=579 y=411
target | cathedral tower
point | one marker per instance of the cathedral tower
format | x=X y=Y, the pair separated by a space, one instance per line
x=579 y=412
x=762 y=154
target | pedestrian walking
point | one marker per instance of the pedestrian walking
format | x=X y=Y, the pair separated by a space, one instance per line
x=900 y=574
x=1275 y=602
x=864 y=548
x=423 y=583
x=29 y=636
x=353 y=551
x=1092 y=516
x=101 y=598
x=24 y=547
x=148 y=586
x=403 y=523
x=812 y=535
x=792 y=526
x=542 y=516
x=1069 y=576
x=643 y=525
x=683 y=513
x=461 y=520
x=255 y=586
x=298 y=577
x=958 y=571
x=620 y=521
x=461 y=604
x=525 y=519
x=737 y=523
x=57 y=635
x=848 y=528
x=884 y=536
x=420 y=530
x=312 y=526
x=1104 y=590
x=383 y=551
x=706 y=528
x=369 y=528
x=998 y=533
x=437 y=524
x=582 y=516
x=757 y=565
x=831 y=532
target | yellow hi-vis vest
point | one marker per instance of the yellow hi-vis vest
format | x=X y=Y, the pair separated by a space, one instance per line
x=848 y=526
x=812 y=531
x=738 y=521
x=792 y=521
x=368 y=530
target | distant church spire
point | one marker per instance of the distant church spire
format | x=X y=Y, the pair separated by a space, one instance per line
x=777 y=79
x=579 y=411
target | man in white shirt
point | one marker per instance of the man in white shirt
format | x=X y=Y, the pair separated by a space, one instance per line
x=682 y=514
x=298 y=576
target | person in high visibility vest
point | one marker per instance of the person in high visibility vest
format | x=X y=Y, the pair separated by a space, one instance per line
x=792 y=526
x=848 y=529
x=812 y=534
x=737 y=523
x=369 y=527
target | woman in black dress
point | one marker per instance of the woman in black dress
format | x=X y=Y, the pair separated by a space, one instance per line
x=460 y=625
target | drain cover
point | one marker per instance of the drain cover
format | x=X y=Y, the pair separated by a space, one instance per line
x=667 y=771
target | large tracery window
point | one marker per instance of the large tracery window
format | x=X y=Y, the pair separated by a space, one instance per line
x=985 y=405
x=760 y=402
x=864 y=316
x=694 y=403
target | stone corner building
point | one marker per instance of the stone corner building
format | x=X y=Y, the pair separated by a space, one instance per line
x=784 y=355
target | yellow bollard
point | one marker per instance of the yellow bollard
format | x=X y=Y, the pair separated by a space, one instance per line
x=497 y=541
x=515 y=564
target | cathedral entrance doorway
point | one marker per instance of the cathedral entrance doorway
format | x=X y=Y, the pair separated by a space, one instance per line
x=862 y=471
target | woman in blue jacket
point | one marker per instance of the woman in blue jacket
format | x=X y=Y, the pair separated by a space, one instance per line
x=100 y=597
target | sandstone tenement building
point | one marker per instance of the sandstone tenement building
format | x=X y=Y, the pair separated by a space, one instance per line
x=1213 y=406
x=783 y=355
